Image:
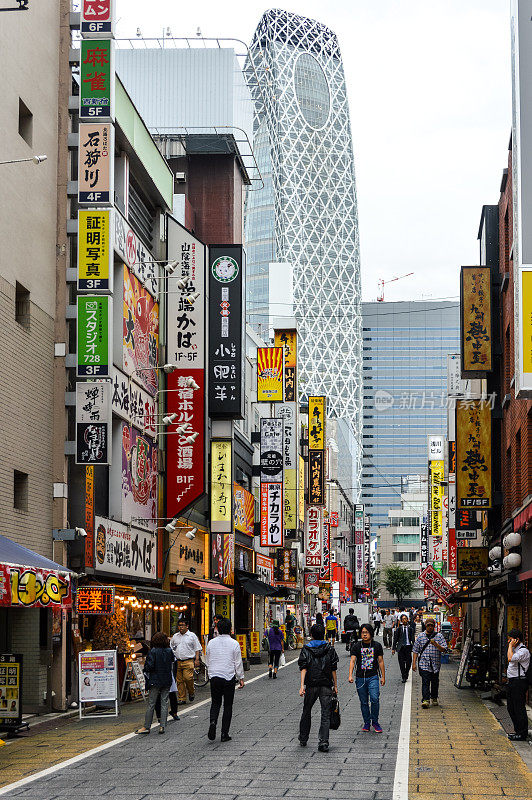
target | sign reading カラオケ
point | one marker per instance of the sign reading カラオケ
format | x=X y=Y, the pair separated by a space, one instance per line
x=314 y=537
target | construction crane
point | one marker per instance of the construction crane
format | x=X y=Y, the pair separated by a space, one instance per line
x=382 y=283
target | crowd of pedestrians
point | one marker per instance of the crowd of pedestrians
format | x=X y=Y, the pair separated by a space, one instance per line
x=170 y=663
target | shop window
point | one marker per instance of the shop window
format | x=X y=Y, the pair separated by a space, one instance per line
x=25 y=122
x=20 y=490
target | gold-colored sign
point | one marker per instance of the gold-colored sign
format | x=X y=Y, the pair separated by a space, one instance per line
x=288 y=340
x=476 y=320
x=316 y=423
x=221 y=483
x=270 y=375
x=94 y=251
x=473 y=454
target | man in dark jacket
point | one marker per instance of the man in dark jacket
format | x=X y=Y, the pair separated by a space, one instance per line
x=317 y=663
x=404 y=636
x=351 y=626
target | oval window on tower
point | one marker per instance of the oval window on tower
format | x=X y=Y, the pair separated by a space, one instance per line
x=312 y=91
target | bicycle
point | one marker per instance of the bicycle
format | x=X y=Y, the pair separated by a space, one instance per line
x=291 y=641
x=201 y=674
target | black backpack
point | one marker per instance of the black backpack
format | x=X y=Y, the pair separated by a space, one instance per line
x=319 y=670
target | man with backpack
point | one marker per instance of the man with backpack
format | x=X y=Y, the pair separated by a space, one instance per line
x=351 y=626
x=317 y=663
x=519 y=677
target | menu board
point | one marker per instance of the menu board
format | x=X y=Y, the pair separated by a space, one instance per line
x=97 y=675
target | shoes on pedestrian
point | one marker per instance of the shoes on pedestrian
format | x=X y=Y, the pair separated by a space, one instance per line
x=404 y=680
x=225 y=737
x=181 y=702
x=323 y=747
x=191 y=697
x=366 y=727
x=377 y=728
x=302 y=743
x=517 y=737
x=269 y=673
x=425 y=704
x=174 y=717
x=212 y=731
x=435 y=701
x=142 y=732
x=274 y=674
x=161 y=730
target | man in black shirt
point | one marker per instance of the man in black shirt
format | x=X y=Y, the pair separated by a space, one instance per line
x=317 y=662
x=404 y=636
x=368 y=656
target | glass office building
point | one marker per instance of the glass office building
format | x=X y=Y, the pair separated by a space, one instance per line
x=404 y=363
x=306 y=214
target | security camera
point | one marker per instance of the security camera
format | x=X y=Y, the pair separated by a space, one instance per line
x=81 y=532
x=39 y=159
x=182 y=283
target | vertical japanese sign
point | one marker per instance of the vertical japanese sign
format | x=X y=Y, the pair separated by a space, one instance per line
x=285 y=567
x=186 y=396
x=325 y=569
x=314 y=537
x=138 y=478
x=475 y=303
x=271 y=450
x=93 y=422
x=301 y=493
x=288 y=413
x=94 y=340
x=359 y=546
x=97 y=17
x=271 y=515
x=270 y=378
x=96 y=163
x=221 y=486
x=226 y=327
x=95 y=252
x=243 y=510
x=316 y=423
x=367 y=549
x=89 y=516
x=316 y=478
x=97 y=72
x=288 y=340
x=424 y=543
x=473 y=454
x=436 y=465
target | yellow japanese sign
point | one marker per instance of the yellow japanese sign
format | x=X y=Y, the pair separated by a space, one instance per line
x=476 y=320
x=288 y=340
x=270 y=381
x=437 y=472
x=526 y=322
x=242 y=641
x=254 y=637
x=290 y=499
x=514 y=618
x=221 y=483
x=94 y=251
x=316 y=423
x=301 y=503
x=473 y=454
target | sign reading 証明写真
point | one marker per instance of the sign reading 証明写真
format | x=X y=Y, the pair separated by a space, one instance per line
x=93 y=422
x=226 y=326
x=285 y=567
x=221 y=483
x=473 y=454
x=94 y=336
x=97 y=17
x=124 y=549
x=10 y=690
x=316 y=477
x=288 y=340
x=271 y=450
x=96 y=163
x=436 y=584
x=314 y=537
x=270 y=378
x=475 y=302
x=95 y=600
x=271 y=515
x=97 y=79
x=316 y=423
x=95 y=253
x=472 y=562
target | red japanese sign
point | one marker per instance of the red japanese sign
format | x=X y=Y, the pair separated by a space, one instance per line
x=452 y=552
x=95 y=600
x=312 y=581
x=314 y=537
x=96 y=17
x=333 y=519
x=436 y=584
x=31 y=587
x=325 y=571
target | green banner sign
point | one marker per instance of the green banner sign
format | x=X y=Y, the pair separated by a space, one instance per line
x=94 y=336
x=97 y=79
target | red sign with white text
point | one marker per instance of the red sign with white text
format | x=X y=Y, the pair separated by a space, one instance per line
x=436 y=584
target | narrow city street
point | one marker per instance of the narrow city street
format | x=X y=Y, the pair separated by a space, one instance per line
x=456 y=752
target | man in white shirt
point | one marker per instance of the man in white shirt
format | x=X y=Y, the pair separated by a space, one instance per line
x=186 y=648
x=517 y=686
x=224 y=663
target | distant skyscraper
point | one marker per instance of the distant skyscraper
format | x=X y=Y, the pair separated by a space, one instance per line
x=306 y=214
x=405 y=348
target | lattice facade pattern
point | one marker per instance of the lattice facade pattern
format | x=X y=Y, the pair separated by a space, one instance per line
x=306 y=214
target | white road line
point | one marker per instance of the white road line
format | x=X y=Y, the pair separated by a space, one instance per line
x=400 y=781
x=82 y=756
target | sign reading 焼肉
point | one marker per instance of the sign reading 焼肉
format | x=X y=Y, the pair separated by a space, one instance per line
x=473 y=454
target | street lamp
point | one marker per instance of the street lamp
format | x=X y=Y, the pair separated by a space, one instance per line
x=35 y=159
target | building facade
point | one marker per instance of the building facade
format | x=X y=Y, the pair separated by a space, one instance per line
x=405 y=348
x=306 y=215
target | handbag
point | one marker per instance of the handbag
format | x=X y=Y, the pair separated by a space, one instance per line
x=335 y=714
x=282 y=660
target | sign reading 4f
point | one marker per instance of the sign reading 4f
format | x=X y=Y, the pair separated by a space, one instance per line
x=97 y=79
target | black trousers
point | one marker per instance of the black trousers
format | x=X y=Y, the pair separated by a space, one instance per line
x=312 y=693
x=377 y=626
x=222 y=689
x=516 y=700
x=404 y=657
x=275 y=655
x=430 y=684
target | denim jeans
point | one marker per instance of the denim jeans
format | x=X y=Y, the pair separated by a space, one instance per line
x=368 y=690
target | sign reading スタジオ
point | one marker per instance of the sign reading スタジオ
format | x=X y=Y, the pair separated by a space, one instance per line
x=94 y=336
x=226 y=326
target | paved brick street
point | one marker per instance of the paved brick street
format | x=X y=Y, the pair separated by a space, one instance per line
x=457 y=751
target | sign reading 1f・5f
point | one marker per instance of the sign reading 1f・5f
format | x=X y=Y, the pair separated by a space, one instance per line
x=94 y=336
x=97 y=79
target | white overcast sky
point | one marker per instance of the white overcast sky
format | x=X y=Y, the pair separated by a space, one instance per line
x=430 y=98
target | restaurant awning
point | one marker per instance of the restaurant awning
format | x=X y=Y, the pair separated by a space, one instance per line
x=29 y=580
x=210 y=587
x=251 y=584
x=15 y=555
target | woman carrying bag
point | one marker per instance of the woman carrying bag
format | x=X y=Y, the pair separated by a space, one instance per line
x=159 y=676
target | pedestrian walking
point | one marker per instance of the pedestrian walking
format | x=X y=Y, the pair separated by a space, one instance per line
x=351 y=627
x=404 y=636
x=317 y=663
x=331 y=626
x=377 y=621
x=427 y=649
x=187 y=649
x=158 y=673
x=516 y=673
x=367 y=656
x=276 y=644
x=319 y=619
x=214 y=630
x=224 y=662
x=388 y=624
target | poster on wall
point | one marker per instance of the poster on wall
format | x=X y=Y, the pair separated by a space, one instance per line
x=139 y=478
x=270 y=375
x=124 y=549
x=140 y=332
x=243 y=510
